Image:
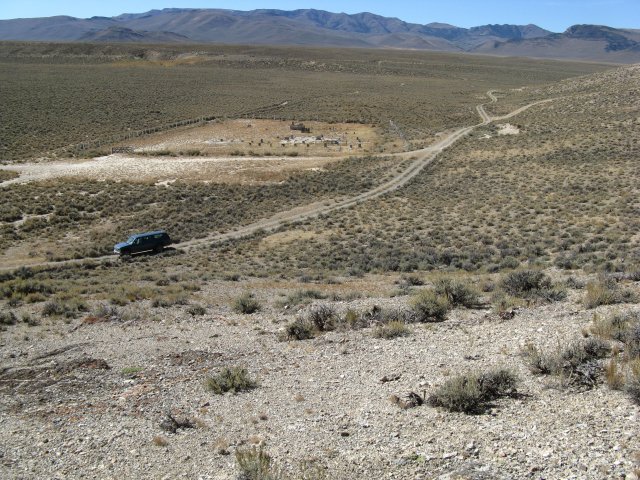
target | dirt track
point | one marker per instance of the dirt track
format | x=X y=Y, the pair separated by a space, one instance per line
x=424 y=158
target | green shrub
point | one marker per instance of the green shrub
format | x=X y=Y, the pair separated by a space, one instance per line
x=532 y=284
x=457 y=292
x=69 y=308
x=232 y=380
x=299 y=329
x=391 y=330
x=430 y=307
x=471 y=393
x=256 y=464
x=246 y=303
x=524 y=282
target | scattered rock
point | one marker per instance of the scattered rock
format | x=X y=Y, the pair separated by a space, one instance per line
x=390 y=378
x=171 y=424
x=407 y=400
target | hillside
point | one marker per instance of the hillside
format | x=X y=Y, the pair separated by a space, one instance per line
x=320 y=28
x=584 y=42
x=116 y=33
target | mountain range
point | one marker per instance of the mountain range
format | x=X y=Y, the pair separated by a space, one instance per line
x=320 y=28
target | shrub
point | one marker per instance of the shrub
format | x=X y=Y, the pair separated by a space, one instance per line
x=323 y=318
x=246 y=303
x=170 y=300
x=471 y=393
x=430 y=307
x=299 y=329
x=633 y=389
x=458 y=293
x=532 y=284
x=391 y=330
x=196 y=310
x=8 y=318
x=523 y=282
x=68 y=309
x=232 y=380
x=576 y=363
x=606 y=292
x=256 y=464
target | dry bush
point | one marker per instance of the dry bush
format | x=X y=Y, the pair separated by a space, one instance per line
x=234 y=380
x=256 y=464
x=430 y=307
x=459 y=293
x=323 y=317
x=393 y=329
x=299 y=329
x=246 y=303
x=471 y=393
x=577 y=363
x=607 y=292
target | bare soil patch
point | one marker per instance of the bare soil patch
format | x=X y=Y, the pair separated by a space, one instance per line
x=164 y=170
x=255 y=137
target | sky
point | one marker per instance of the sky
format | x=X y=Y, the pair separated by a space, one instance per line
x=555 y=15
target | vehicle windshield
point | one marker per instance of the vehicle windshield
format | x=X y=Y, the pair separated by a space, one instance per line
x=131 y=239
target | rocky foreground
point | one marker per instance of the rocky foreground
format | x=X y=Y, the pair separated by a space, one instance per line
x=124 y=396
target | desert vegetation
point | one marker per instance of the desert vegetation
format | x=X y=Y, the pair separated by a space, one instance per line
x=480 y=321
x=557 y=195
x=56 y=96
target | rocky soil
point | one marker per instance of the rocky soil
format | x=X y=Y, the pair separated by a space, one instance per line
x=91 y=398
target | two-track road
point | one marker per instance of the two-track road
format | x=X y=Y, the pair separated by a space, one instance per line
x=423 y=158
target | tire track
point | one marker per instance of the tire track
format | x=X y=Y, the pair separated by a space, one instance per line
x=425 y=157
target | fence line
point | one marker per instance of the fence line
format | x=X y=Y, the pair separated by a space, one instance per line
x=134 y=134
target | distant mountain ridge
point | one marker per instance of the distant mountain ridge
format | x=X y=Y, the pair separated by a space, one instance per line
x=321 y=28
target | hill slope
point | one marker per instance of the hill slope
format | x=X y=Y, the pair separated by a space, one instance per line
x=586 y=42
x=299 y=27
x=321 y=28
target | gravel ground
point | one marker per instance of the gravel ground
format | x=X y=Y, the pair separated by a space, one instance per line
x=86 y=400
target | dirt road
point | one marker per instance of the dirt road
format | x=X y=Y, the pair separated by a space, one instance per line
x=424 y=158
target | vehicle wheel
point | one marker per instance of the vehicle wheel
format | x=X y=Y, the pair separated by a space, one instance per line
x=158 y=249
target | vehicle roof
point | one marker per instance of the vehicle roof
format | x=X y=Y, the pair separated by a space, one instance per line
x=148 y=233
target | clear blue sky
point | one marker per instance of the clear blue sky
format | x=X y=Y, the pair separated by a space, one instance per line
x=554 y=15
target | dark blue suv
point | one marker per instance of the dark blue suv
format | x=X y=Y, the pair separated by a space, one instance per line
x=143 y=242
